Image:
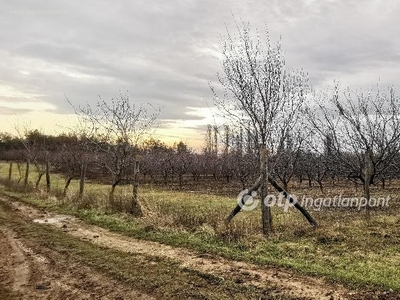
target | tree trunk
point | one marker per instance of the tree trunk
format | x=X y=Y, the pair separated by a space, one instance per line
x=10 y=171
x=165 y=176
x=47 y=176
x=180 y=176
x=135 y=208
x=66 y=186
x=82 y=180
x=285 y=185
x=27 y=172
x=112 y=191
x=266 y=217
x=40 y=175
x=367 y=178
x=19 y=172
x=320 y=186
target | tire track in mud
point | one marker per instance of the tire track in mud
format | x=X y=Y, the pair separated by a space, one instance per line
x=283 y=281
x=33 y=276
x=21 y=274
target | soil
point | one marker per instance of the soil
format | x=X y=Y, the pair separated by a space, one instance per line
x=33 y=276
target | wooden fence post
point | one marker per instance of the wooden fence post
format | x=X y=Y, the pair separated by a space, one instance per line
x=10 y=171
x=135 y=208
x=367 y=178
x=266 y=217
x=82 y=179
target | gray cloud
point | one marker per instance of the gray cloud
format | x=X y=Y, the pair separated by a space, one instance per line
x=164 y=52
x=4 y=110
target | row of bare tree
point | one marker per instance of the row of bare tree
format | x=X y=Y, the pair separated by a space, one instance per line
x=80 y=157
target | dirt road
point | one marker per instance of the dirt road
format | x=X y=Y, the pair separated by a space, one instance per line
x=34 y=271
x=31 y=276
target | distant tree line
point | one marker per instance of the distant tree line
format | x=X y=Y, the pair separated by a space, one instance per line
x=229 y=155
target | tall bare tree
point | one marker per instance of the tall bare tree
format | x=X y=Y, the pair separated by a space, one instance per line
x=259 y=94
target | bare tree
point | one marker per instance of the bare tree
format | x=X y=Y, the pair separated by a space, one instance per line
x=36 y=150
x=9 y=150
x=119 y=126
x=72 y=157
x=363 y=130
x=36 y=144
x=181 y=161
x=314 y=166
x=27 y=153
x=212 y=140
x=285 y=162
x=259 y=94
x=155 y=160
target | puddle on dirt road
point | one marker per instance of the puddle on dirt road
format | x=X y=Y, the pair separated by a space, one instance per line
x=54 y=219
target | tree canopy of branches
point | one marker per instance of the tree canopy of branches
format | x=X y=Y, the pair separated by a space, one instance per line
x=357 y=128
x=259 y=94
x=119 y=126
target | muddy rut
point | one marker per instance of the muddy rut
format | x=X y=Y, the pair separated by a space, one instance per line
x=283 y=281
x=33 y=276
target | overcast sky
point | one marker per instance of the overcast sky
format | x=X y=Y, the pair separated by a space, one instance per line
x=166 y=52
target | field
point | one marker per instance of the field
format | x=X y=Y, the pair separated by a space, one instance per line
x=348 y=247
